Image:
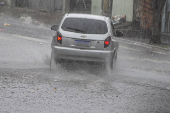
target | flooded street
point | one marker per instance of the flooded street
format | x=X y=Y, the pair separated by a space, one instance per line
x=140 y=83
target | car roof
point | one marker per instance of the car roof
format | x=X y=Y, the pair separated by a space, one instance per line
x=88 y=16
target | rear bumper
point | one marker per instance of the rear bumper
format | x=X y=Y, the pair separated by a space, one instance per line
x=81 y=54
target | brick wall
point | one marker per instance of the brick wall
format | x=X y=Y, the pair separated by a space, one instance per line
x=143 y=13
x=146 y=14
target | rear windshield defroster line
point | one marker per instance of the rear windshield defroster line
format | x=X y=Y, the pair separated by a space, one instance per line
x=86 y=26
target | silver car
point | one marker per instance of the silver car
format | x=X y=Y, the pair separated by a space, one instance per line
x=85 y=37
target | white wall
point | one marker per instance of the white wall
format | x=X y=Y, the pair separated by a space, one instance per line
x=96 y=7
x=10 y=3
x=123 y=7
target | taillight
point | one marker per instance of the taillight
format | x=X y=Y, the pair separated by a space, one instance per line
x=59 y=38
x=107 y=41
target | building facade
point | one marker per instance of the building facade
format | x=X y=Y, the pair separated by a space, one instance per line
x=98 y=7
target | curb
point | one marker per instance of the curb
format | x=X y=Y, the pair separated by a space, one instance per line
x=140 y=43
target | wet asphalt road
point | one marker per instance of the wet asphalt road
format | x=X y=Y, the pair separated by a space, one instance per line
x=139 y=84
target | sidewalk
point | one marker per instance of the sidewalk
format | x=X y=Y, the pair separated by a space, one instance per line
x=138 y=35
x=45 y=17
x=165 y=38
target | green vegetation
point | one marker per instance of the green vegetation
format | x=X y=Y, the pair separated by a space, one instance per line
x=165 y=46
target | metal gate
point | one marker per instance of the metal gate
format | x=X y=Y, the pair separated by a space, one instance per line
x=107 y=7
x=42 y=5
x=80 y=6
x=22 y=3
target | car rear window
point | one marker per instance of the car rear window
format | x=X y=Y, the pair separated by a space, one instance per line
x=87 y=26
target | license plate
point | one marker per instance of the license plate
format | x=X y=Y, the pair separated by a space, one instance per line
x=82 y=43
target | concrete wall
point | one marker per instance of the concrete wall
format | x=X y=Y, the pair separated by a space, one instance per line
x=96 y=7
x=123 y=7
x=56 y=5
x=9 y=3
x=46 y=5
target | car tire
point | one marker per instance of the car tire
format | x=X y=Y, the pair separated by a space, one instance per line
x=115 y=60
x=110 y=65
x=53 y=62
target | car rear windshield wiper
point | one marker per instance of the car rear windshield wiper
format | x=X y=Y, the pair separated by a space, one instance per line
x=76 y=29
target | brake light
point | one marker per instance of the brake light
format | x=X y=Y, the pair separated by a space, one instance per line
x=59 y=38
x=107 y=42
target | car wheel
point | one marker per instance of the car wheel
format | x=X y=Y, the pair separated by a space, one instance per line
x=110 y=65
x=53 y=61
x=114 y=60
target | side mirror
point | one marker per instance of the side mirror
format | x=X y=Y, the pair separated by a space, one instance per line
x=118 y=34
x=54 y=27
